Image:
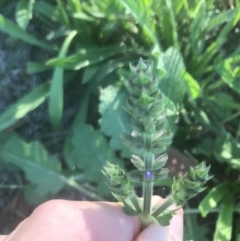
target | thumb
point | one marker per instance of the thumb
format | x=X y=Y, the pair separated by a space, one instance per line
x=174 y=232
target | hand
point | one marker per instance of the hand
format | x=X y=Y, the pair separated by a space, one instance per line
x=60 y=220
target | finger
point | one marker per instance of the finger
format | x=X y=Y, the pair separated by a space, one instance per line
x=173 y=232
x=61 y=220
x=176 y=227
x=2 y=237
x=8 y=237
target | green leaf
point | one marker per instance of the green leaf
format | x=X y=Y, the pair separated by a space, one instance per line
x=170 y=24
x=172 y=85
x=56 y=90
x=28 y=103
x=115 y=120
x=24 y=12
x=164 y=218
x=13 y=30
x=81 y=117
x=92 y=150
x=193 y=87
x=227 y=150
x=34 y=67
x=196 y=34
x=86 y=57
x=129 y=208
x=40 y=169
x=212 y=199
x=54 y=13
x=223 y=230
x=204 y=147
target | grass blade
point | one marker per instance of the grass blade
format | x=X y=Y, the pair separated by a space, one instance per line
x=33 y=67
x=56 y=90
x=24 y=106
x=15 y=31
x=86 y=57
x=171 y=25
x=224 y=223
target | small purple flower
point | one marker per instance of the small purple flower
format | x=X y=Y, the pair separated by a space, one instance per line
x=148 y=175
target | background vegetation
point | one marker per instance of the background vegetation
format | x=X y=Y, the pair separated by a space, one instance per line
x=61 y=96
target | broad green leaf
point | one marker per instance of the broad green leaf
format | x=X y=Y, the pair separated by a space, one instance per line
x=56 y=90
x=172 y=84
x=40 y=169
x=92 y=150
x=193 y=87
x=33 y=67
x=212 y=199
x=224 y=226
x=115 y=120
x=86 y=57
x=13 y=30
x=227 y=150
x=24 y=12
x=81 y=117
x=28 y=103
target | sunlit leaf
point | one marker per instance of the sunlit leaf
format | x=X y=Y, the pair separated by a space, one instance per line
x=212 y=199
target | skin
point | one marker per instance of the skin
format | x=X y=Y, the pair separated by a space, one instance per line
x=61 y=220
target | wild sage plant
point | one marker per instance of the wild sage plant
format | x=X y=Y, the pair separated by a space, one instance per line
x=148 y=143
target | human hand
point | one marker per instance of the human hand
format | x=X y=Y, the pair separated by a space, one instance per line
x=60 y=220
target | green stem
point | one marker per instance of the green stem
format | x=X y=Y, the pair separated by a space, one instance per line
x=147 y=197
x=148 y=186
x=164 y=205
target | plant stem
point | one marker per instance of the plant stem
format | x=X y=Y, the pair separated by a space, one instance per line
x=147 y=197
x=164 y=205
x=147 y=186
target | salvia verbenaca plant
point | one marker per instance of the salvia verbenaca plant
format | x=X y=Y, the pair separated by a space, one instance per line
x=148 y=142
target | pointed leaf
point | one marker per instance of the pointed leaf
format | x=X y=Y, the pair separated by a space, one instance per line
x=40 y=169
x=56 y=90
x=13 y=30
x=85 y=57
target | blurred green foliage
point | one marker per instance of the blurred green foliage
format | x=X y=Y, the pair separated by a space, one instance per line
x=88 y=41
